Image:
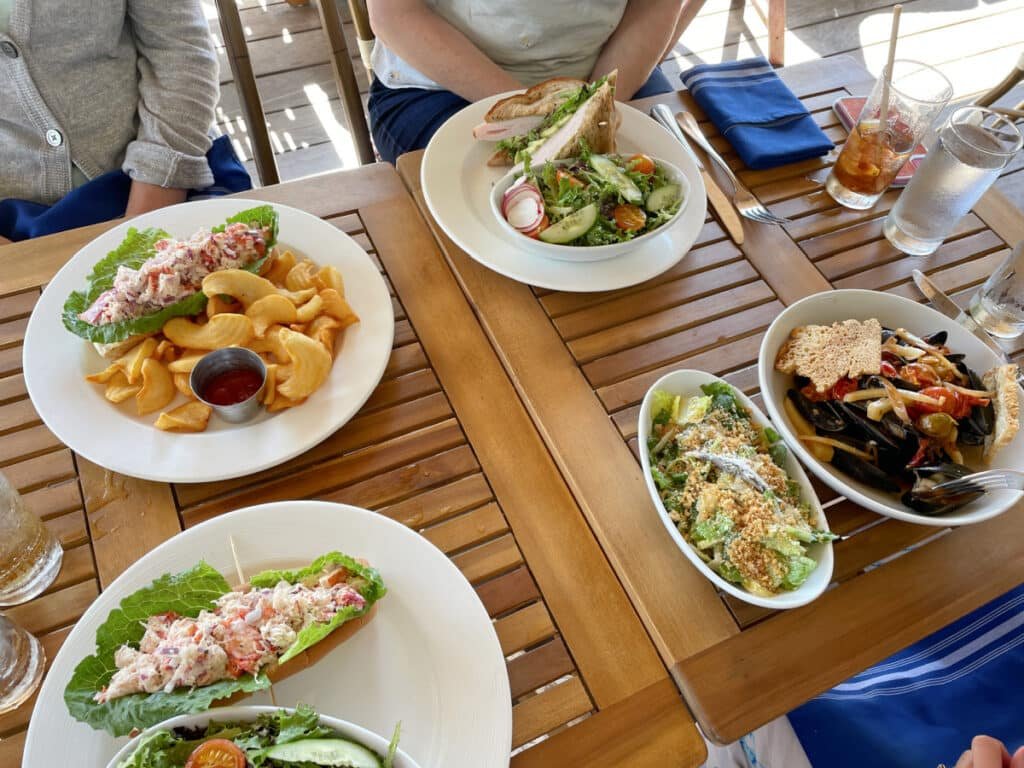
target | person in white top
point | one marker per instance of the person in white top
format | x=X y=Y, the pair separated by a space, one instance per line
x=433 y=57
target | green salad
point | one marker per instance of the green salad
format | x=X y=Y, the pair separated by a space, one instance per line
x=720 y=476
x=592 y=200
x=282 y=739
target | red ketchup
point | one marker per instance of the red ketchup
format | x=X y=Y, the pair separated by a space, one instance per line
x=232 y=386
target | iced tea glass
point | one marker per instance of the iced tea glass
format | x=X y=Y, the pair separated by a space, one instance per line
x=21 y=665
x=30 y=555
x=876 y=149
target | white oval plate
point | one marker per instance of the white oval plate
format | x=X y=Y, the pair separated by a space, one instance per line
x=687 y=383
x=891 y=311
x=577 y=253
x=368 y=739
x=56 y=362
x=457 y=186
x=430 y=656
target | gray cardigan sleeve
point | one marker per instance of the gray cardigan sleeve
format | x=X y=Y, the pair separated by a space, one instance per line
x=178 y=89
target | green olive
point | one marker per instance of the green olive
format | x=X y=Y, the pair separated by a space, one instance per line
x=939 y=425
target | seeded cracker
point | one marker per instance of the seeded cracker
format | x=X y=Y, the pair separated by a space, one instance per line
x=827 y=353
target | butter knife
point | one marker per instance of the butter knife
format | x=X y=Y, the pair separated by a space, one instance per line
x=719 y=200
x=949 y=308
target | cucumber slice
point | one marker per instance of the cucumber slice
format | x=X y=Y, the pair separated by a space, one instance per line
x=610 y=172
x=337 y=753
x=572 y=226
x=663 y=197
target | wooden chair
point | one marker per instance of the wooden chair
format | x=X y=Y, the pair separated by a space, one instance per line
x=1011 y=81
x=364 y=34
x=774 y=18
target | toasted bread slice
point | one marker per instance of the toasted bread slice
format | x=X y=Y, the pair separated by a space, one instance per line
x=540 y=99
x=1002 y=381
x=827 y=353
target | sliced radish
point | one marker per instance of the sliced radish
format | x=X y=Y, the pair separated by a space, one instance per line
x=525 y=214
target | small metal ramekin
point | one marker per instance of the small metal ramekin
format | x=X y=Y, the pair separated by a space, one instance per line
x=220 y=361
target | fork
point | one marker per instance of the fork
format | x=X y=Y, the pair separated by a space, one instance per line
x=744 y=200
x=953 y=491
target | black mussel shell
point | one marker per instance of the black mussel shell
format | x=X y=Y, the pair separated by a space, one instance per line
x=863 y=471
x=956 y=358
x=904 y=384
x=936 y=339
x=823 y=415
x=968 y=432
x=982 y=418
x=887 y=333
x=927 y=477
x=860 y=426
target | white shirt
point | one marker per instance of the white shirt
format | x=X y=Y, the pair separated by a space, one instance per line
x=532 y=40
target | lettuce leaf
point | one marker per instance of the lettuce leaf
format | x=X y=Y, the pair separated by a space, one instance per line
x=136 y=248
x=368 y=583
x=185 y=593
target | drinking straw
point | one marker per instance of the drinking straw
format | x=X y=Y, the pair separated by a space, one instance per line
x=887 y=73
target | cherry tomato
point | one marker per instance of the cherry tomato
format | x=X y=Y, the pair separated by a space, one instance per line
x=947 y=397
x=641 y=164
x=889 y=370
x=572 y=180
x=843 y=387
x=216 y=753
x=544 y=224
x=629 y=218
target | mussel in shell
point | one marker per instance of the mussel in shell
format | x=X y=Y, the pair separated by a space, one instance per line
x=822 y=414
x=864 y=471
x=936 y=339
x=926 y=478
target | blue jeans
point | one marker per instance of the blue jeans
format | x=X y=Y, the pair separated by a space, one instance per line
x=404 y=119
x=106 y=197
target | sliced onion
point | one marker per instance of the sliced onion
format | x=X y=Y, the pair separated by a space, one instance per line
x=525 y=214
x=514 y=193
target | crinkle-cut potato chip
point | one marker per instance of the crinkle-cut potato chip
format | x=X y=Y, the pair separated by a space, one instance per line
x=190 y=417
x=106 y=374
x=327 y=337
x=270 y=388
x=270 y=310
x=118 y=389
x=310 y=309
x=329 y=278
x=165 y=351
x=187 y=361
x=298 y=297
x=281 y=266
x=181 y=383
x=222 y=331
x=334 y=304
x=238 y=284
x=310 y=362
x=219 y=303
x=157 y=390
x=281 y=403
x=298 y=327
x=132 y=360
x=300 y=277
x=271 y=342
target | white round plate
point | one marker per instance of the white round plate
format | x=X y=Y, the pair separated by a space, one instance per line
x=892 y=312
x=687 y=383
x=457 y=185
x=113 y=436
x=429 y=658
x=373 y=741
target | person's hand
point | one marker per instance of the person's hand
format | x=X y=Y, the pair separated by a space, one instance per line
x=4 y=240
x=986 y=752
x=145 y=197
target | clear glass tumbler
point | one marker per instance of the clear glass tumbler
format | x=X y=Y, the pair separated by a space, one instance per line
x=30 y=555
x=971 y=149
x=998 y=306
x=876 y=149
x=22 y=661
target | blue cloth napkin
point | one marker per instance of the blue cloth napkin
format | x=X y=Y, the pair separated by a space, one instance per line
x=756 y=112
x=106 y=197
x=923 y=705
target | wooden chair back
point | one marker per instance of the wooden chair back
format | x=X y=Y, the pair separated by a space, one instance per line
x=1008 y=83
x=364 y=34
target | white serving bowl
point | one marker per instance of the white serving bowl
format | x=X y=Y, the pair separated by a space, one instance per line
x=378 y=744
x=892 y=312
x=687 y=383
x=576 y=252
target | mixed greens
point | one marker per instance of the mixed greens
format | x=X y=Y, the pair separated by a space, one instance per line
x=279 y=739
x=592 y=200
x=722 y=480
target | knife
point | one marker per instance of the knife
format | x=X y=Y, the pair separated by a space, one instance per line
x=949 y=308
x=719 y=201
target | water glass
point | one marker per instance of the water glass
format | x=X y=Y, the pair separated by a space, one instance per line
x=998 y=306
x=22 y=661
x=30 y=555
x=877 y=148
x=970 y=151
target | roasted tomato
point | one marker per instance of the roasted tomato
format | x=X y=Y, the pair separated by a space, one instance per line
x=946 y=396
x=629 y=218
x=568 y=177
x=216 y=753
x=641 y=164
x=889 y=370
x=544 y=224
x=843 y=387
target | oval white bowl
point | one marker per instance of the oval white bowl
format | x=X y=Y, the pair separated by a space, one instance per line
x=688 y=383
x=578 y=252
x=891 y=311
x=369 y=739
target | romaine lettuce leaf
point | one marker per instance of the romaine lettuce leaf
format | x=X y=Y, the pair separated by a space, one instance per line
x=135 y=249
x=185 y=593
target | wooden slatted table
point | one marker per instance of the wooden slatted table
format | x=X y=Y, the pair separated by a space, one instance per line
x=582 y=363
x=444 y=445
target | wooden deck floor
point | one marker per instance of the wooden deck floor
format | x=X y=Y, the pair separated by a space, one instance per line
x=973 y=42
